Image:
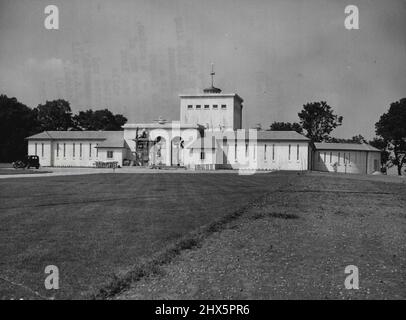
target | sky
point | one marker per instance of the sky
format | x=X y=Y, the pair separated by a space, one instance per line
x=136 y=57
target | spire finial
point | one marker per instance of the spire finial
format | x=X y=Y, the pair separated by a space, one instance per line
x=212 y=74
x=212 y=89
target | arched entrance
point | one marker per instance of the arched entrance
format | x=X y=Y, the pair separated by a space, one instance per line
x=157 y=153
x=177 y=146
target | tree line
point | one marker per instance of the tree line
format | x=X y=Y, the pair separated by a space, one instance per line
x=18 y=121
x=317 y=120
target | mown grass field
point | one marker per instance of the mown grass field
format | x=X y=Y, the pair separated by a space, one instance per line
x=96 y=227
x=106 y=232
x=20 y=171
x=7 y=169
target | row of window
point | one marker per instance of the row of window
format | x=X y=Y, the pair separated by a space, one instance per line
x=273 y=151
x=110 y=154
x=207 y=106
x=346 y=157
x=74 y=150
x=202 y=154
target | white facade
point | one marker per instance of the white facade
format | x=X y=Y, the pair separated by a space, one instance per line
x=43 y=149
x=260 y=153
x=75 y=148
x=254 y=158
x=215 y=110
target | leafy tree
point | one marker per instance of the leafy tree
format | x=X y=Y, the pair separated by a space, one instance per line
x=381 y=144
x=318 y=119
x=99 y=120
x=54 y=115
x=120 y=120
x=391 y=127
x=359 y=139
x=17 y=121
x=286 y=126
x=355 y=139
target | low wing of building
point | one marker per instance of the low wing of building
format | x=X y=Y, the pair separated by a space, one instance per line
x=250 y=149
x=77 y=148
x=346 y=158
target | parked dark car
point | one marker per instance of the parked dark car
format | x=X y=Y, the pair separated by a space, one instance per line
x=28 y=162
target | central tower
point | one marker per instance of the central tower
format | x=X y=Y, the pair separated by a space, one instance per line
x=212 y=108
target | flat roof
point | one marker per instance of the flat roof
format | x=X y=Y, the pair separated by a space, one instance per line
x=212 y=95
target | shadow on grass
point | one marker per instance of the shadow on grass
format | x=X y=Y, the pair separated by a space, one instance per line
x=286 y=216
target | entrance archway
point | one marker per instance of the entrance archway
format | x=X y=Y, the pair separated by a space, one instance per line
x=157 y=153
x=177 y=145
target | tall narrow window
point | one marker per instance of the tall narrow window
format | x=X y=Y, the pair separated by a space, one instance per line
x=42 y=149
x=97 y=150
x=202 y=155
x=338 y=158
x=324 y=159
x=297 y=152
x=344 y=159
x=35 y=149
x=331 y=156
x=57 y=149
x=265 y=152
x=246 y=149
x=235 y=151
x=64 y=150
x=273 y=152
x=290 y=147
x=349 y=157
x=90 y=150
x=110 y=154
x=225 y=150
x=73 y=150
x=80 y=150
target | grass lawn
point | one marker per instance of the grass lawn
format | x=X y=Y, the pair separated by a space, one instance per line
x=99 y=228
x=93 y=227
x=7 y=169
x=20 y=171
